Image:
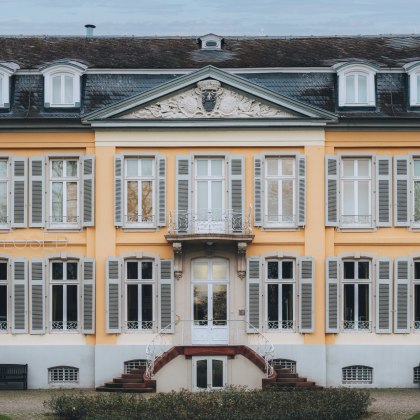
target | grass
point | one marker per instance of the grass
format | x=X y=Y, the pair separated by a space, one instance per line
x=3 y=417
x=415 y=417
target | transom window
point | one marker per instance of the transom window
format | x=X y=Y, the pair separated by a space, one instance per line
x=281 y=279
x=3 y=296
x=4 y=191
x=357 y=276
x=62 y=89
x=356 y=179
x=357 y=375
x=64 y=187
x=140 y=187
x=64 y=295
x=416 y=286
x=139 y=277
x=280 y=188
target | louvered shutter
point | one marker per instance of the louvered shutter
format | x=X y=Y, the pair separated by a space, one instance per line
x=401 y=191
x=383 y=190
x=237 y=193
x=37 y=296
x=183 y=193
x=19 y=296
x=113 y=295
x=331 y=194
x=254 y=286
x=332 y=297
x=118 y=190
x=37 y=192
x=88 y=296
x=161 y=199
x=258 y=191
x=166 y=296
x=383 y=295
x=307 y=291
x=89 y=190
x=402 y=296
x=301 y=187
x=19 y=193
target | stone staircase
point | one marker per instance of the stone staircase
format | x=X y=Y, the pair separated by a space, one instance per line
x=284 y=377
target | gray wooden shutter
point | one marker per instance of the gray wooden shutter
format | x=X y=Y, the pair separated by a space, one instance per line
x=402 y=296
x=19 y=193
x=166 y=297
x=183 y=193
x=88 y=296
x=19 y=296
x=331 y=194
x=258 y=191
x=118 y=190
x=332 y=290
x=113 y=295
x=89 y=190
x=237 y=193
x=301 y=188
x=401 y=191
x=161 y=200
x=37 y=296
x=307 y=291
x=383 y=295
x=37 y=192
x=254 y=291
x=383 y=190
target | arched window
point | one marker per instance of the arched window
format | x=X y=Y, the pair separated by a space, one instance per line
x=134 y=364
x=284 y=364
x=357 y=375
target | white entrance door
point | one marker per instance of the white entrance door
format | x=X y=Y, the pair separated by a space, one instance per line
x=210 y=306
x=209 y=373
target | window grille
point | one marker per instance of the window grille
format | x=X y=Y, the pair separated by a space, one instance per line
x=416 y=375
x=134 y=364
x=357 y=375
x=285 y=364
x=63 y=374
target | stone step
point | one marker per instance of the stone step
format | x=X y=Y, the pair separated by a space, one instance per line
x=127 y=380
x=137 y=371
x=306 y=384
x=132 y=375
x=291 y=380
x=132 y=390
x=287 y=375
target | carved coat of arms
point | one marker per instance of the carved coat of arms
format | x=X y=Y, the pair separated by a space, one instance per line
x=210 y=90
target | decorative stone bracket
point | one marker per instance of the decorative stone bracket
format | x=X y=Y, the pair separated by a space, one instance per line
x=177 y=247
x=241 y=260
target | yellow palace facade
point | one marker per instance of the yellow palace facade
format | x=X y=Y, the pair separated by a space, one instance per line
x=211 y=214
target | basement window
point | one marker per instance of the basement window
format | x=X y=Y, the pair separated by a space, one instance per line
x=416 y=374
x=357 y=375
x=63 y=374
x=134 y=364
x=285 y=364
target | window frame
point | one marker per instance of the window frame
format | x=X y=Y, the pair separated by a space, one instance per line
x=413 y=72
x=150 y=326
x=65 y=282
x=412 y=179
x=6 y=325
x=356 y=69
x=8 y=179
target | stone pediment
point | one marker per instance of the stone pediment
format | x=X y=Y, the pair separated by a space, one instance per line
x=208 y=99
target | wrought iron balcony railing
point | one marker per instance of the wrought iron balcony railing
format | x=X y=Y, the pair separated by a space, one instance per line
x=64 y=326
x=356 y=325
x=203 y=221
x=288 y=325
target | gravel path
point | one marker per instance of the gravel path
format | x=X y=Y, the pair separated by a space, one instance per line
x=389 y=404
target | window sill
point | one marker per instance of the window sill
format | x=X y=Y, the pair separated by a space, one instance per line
x=64 y=228
x=281 y=228
x=139 y=228
x=356 y=229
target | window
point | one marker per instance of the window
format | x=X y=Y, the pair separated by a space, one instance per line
x=4 y=192
x=357 y=375
x=356 y=85
x=356 y=295
x=64 y=280
x=4 y=274
x=280 y=285
x=139 y=297
x=63 y=374
x=356 y=187
x=284 y=364
x=416 y=286
x=135 y=364
x=279 y=191
x=416 y=374
x=6 y=71
x=416 y=190
x=413 y=71
x=62 y=84
x=140 y=192
x=64 y=187
x=211 y=42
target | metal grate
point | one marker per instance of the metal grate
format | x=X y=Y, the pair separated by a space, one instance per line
x=63 y=374
x=416 y=375
x=285 y=364
x=134 y=364
x=357 y=375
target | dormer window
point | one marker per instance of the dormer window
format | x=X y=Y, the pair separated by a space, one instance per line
x=211 y=42
x=62 y=85
x=6 y=71
x=413 y=70
x=356 y=85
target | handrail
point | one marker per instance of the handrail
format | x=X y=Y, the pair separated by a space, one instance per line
x=164 y=340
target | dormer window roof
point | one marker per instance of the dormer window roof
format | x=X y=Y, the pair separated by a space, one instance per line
x=6 y=71
x=413 y=71
x=62 y=84
x=356 y=84
x=211 y=42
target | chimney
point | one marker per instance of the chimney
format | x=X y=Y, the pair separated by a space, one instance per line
x=89 y=30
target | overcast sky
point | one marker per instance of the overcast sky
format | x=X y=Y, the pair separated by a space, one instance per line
x=198 y=17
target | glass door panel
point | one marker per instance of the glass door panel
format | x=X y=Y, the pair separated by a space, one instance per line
x=201 y=304
x=219 y=304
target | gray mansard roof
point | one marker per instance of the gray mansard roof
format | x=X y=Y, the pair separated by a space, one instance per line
x=299 y=68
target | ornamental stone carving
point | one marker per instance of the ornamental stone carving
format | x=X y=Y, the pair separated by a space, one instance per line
x=208 y=100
